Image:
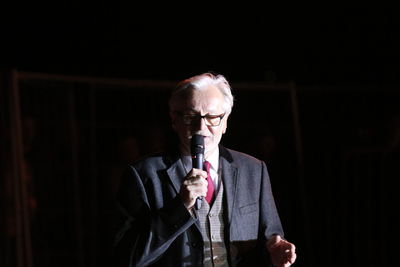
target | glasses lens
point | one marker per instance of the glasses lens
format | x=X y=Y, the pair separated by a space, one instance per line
x=189 y=119
x=210 y=120
x=213 y=120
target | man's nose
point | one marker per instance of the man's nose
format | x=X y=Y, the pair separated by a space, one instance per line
x=201 y=124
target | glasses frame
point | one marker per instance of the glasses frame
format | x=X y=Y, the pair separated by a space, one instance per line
x=195 y=118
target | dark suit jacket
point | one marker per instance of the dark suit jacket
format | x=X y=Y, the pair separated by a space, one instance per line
x=159 y=231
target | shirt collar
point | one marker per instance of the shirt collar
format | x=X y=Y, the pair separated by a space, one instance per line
x=213 y=159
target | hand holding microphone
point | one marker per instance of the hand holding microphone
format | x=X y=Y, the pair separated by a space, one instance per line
x=197 y=151
x=194 y=186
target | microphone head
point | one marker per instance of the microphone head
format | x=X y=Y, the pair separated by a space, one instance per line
x=197 y=144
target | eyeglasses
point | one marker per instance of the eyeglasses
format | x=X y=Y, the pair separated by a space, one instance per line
x=192 y=119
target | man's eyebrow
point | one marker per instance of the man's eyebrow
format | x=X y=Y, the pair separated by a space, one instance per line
x=215 y=115
x=190 y=110
x=195 y=112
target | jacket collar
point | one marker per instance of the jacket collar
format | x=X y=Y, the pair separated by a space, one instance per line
x=229 y=178
x=176 y=171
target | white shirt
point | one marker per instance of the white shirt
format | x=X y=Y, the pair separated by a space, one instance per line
x=214 y=161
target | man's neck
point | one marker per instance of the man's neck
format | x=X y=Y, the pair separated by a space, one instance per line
x=185 y=151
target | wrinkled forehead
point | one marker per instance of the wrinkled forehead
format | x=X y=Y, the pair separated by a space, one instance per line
x=180 y=100
x=207 y=99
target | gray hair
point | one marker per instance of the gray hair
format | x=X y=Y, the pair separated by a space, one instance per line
x=198 y=82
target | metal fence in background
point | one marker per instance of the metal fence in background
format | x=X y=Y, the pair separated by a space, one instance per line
x=68 y=138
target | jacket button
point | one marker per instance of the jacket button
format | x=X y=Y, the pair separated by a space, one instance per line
x=194 y=244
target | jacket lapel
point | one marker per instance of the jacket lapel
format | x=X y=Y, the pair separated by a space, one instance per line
x=176 y=173
x=229 y=178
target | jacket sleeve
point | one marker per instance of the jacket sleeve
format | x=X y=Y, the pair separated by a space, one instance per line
x=145 y=231
x=270 y=220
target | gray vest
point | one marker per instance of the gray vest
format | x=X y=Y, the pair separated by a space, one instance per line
x=212 y=230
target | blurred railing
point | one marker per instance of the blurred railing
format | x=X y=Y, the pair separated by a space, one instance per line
x=67 y=139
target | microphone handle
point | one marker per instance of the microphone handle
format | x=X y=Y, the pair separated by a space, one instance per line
x=197 y=162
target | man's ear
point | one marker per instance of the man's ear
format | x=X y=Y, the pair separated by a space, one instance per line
x=225 y=126
x=173 y=126
x=173 y=117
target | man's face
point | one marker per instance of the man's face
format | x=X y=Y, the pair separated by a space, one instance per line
x=208 y=101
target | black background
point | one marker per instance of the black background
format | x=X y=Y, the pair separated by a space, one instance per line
x=308 y=43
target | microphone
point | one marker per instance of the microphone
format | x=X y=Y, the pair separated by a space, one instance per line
x=197 y=151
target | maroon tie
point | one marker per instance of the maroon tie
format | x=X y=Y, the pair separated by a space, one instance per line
x=210 y=187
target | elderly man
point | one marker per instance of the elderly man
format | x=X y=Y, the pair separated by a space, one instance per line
x=237 y=223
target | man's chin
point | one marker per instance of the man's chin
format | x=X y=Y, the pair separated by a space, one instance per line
x=209 y=148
